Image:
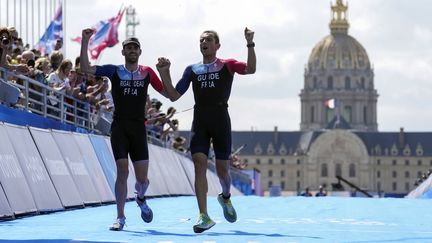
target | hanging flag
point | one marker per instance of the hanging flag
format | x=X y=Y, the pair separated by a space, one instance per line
x=53 y=33
x=105 y=35
x=331 y=103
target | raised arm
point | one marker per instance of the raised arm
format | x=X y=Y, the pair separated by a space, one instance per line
x=163 y=66
x=85 y=65
x=251 y=59
x=20 y=68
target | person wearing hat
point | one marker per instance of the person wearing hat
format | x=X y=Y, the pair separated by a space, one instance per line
x=129 y=85
x=211 y=82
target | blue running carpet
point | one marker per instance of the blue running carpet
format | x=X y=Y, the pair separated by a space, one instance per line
x=260 y=220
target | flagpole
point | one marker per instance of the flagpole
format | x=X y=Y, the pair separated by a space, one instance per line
x=63 y=5
x=337 y=112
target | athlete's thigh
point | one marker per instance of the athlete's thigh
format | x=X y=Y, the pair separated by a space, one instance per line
x=221 y=134
x=200 y=139
x=137 y=134
x=119 y=140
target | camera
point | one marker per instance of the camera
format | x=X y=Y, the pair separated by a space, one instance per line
x=5 y=41
x=4 y=36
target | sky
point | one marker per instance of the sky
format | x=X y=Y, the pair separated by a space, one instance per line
x=397 y=35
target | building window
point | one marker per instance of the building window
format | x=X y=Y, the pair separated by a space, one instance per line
x=270 y=161
x=365 y=114
x=298 y=161
x=315 y=82
x=378 y=186
x=258 y=161
x=378 y=161
x=330 y=82
x=407 y=162
x=347 y=113
x=282 y=173
x=330 y=114
x=270 y=173
x=352 y=170
x=430 y=162
x=338 y=170
x=394 y=186
x=378 y=174
x=407 y=174
x=419 y=162
x=283 y=185
x=394 y=162
x=419 y=174
x=394 y=174
x=282 y=161
x=312 y=114
x=270 y=184
x=298 y=173
x=347 y=83
x=407 y=186
x=324 y=171
x=362 y=83
x=298 y=186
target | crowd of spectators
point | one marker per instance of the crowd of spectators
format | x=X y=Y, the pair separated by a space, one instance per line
x=51 y=70
x=66 y=80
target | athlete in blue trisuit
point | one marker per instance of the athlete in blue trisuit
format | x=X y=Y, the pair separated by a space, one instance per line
x=128 y=132
x=211 y=82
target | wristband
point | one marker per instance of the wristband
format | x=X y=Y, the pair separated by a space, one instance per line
x=251 y=45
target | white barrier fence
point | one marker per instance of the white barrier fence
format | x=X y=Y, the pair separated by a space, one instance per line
x=48 y=170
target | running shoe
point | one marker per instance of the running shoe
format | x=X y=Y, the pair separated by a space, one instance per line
x=146 y=212
x=118 y=224
x=203 y=223
x=228 y=209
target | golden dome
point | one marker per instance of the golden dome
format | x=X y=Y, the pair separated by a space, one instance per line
x=338 y=50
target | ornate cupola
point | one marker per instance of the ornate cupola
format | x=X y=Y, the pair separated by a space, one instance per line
x=339 y=69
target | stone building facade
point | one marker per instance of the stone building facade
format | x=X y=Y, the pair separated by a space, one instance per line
x=342 y=140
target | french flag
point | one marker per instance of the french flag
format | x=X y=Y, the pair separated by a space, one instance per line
x=53 y=33
x=105 y=35
x=331 y=103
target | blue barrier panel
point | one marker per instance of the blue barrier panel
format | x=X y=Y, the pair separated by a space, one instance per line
x=188 y=168
x=71 y=155
x=94 y=168
x=43 y=191
x=173 y=173
x=105 y=158
x=5 y=210
x=12 y=178
x=156 y=175
x=25 y=118
x=56 y=167
x=255 y=175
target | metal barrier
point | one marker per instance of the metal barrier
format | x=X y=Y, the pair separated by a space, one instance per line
x=43 y=100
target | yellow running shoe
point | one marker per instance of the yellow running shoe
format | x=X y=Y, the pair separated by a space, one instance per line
x=228 y=209
x=203 y=223
x=118 y=224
